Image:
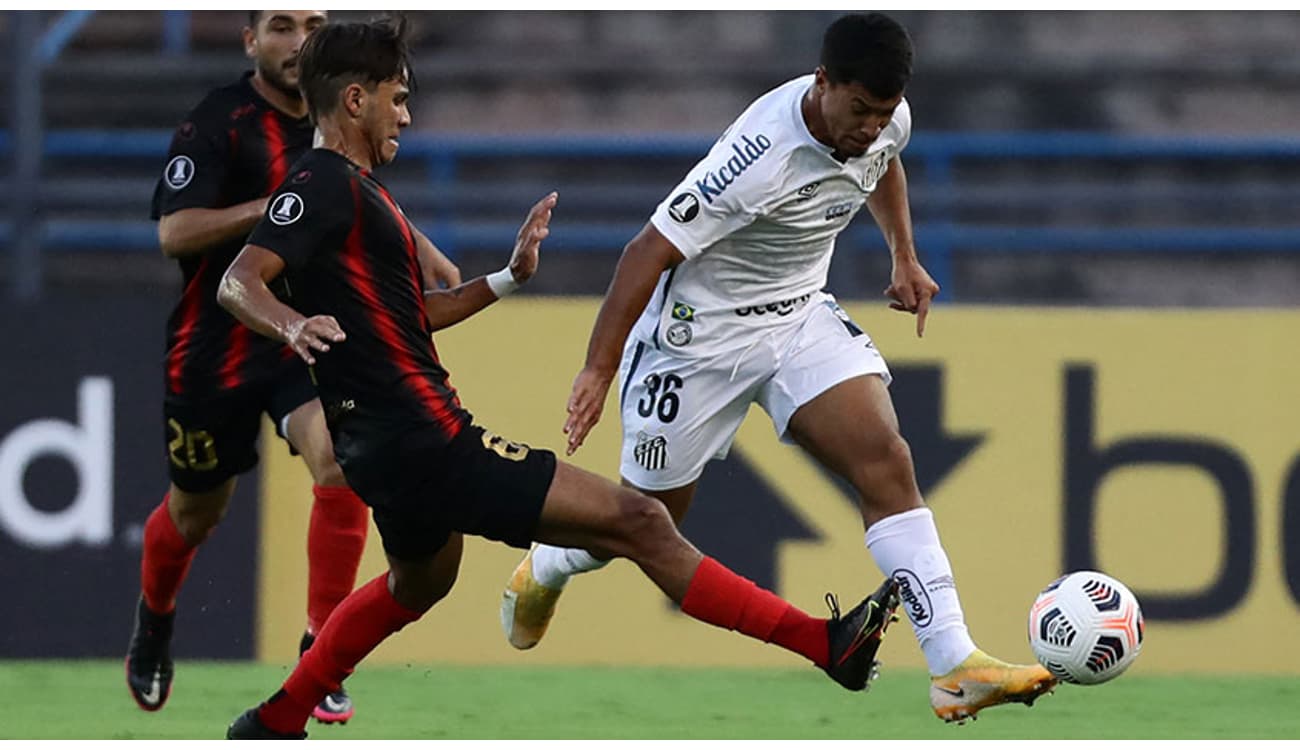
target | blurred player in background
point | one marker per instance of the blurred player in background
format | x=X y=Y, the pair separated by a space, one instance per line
x=232 y=150
x=401 y=435
x=721 y=295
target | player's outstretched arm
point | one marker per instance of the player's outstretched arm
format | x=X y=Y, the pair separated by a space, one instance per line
x=447 y=307
x=244 y=294
x=192 y=231
x=647 y=256
x=910 y=286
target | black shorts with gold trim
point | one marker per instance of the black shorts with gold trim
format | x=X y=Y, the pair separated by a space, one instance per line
x=421 y=489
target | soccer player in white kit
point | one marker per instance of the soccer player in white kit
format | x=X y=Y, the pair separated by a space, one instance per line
x=718 y=303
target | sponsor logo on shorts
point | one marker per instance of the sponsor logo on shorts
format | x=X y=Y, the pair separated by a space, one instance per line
x=780 y=309
x=914 y=597
x=179 y=172
x=651 y=451
x=680 y=334
x=286 y=210
x=683 y=311
x=684 y=208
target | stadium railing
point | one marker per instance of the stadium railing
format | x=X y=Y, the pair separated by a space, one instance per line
x=962 y=197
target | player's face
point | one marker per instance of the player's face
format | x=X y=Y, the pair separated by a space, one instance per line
x=385 y=115
x=274 y=43
x=852 y=117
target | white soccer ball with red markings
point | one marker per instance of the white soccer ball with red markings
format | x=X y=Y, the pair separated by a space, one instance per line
x=1086 y=628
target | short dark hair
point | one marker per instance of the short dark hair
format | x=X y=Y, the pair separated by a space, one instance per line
x=253 y=17
x=870 y=49
x=339 y=54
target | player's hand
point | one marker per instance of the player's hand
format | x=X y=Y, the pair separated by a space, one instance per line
x=441 y=272
x=316 y=332
x=911 y=290
x=586 y=402
x=523 y=262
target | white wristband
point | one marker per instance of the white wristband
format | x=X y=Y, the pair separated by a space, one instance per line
x=502 y=282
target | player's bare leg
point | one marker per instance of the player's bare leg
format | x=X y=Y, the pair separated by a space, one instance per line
x=361 y=622
x=336 y=538
x=172 y=536
x=197 y=514
x=852 y=430
x=586 y=511
x=529 y=600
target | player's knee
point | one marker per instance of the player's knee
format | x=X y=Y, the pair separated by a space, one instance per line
x=327 y=473
x=421 y=584
x=419 y=591
x=643 y=523
x=886 y=478
x=429 y=593
x=196 y=525
x=325 y=470
x=891 y=454
x=196 y=515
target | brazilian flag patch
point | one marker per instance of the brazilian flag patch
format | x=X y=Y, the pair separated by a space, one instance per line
x=683 y=311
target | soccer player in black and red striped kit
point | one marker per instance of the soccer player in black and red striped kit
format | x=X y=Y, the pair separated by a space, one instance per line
x=231 y=152
x=358 y=316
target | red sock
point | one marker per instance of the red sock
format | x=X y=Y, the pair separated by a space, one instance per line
x=280 y=713
x=803 y=635
x=720 y=597
x=364 y=619
x=336 y=538
x=165 y=560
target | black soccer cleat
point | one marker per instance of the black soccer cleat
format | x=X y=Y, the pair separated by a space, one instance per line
x=149 y=659
x=855 y=637
x=249 y=726
x=335 y=708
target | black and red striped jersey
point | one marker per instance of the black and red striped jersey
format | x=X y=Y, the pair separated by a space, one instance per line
x=350 y=252
x=232 y=148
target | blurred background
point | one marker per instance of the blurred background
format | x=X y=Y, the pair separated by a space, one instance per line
x=1061 y=158
x=1109 y=201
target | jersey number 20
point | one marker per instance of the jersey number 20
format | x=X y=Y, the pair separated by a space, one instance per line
x=191 y=449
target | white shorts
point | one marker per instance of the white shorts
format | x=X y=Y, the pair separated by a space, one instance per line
x=681 y=412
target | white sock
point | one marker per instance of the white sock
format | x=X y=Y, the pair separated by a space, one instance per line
x=552 y=566
x=906 y=546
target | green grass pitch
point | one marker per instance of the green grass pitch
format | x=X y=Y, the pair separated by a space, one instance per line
x=89 y=700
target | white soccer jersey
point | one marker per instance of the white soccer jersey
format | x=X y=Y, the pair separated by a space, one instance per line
x=757 y=220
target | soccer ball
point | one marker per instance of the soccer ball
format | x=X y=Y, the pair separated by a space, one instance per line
x=1086 y=628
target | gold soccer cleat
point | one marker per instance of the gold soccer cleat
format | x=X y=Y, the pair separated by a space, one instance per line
x=526 y=606
x=982 y=681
